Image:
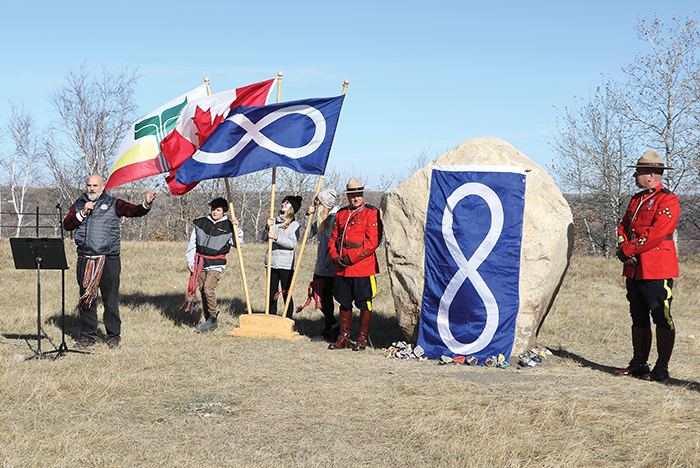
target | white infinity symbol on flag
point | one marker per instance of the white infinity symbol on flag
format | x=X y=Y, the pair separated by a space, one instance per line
x=468 y=268
x=253 y=133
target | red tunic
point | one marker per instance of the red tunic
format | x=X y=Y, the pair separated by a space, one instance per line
x=360 y=237
x=646 y=231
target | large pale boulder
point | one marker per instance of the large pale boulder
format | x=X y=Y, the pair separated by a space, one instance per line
x=546 y=245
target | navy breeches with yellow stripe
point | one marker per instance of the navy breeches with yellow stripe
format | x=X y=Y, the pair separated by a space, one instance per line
x=650 y=297
x=359 y=289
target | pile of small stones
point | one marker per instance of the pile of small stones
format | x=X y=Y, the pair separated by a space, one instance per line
x=407 y=351
x=534 y=356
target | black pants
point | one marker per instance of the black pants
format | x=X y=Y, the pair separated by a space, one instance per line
x=650 y=297
x=361 y=290
x=327 y=304
x=281 y=278
x=109 y=290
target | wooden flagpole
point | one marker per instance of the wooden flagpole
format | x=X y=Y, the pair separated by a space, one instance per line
x=306 y=233
x=235 y=228
x=258 y=325
x=238 y=247
x=301 y=252
x=272 y=213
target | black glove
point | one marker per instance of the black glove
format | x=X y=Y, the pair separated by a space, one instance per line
x=346 y=260
x=621 y=255
x=338 y=262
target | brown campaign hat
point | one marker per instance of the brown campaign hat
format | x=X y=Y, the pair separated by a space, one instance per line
x=651 y=159
x=354 y=186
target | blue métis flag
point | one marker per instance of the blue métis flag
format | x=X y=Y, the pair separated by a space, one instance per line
x=473 y=236
x=296 y=134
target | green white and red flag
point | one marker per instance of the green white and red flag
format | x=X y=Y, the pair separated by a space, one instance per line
x=166 y=137
x=139 y=154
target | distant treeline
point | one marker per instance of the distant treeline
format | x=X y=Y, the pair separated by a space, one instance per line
x=171 y=217
x=595 y=235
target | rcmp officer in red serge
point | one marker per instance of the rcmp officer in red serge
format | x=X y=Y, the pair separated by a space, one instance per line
x=646 y=246
x=356 y=235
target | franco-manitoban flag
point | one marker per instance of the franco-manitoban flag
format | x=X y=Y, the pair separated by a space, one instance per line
x=296 y=134
x=139 y=153
x=473 y=236
x=199 y=119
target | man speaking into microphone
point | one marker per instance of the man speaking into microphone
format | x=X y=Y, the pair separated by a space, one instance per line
x=96 y=218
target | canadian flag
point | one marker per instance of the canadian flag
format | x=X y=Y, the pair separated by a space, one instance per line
x=199 y=119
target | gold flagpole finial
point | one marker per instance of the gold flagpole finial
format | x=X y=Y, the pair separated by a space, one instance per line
x=279 y=86
x=345 y=86
x=206 y=82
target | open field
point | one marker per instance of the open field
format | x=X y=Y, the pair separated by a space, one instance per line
x=170 y=397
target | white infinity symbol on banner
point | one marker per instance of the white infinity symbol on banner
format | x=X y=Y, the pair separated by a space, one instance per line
x=468 y=268
x=253 y=132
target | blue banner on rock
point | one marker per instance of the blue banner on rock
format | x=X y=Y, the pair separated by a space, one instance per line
x=473 y=237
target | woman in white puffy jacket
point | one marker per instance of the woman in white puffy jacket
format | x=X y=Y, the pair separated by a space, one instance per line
x=284 y=235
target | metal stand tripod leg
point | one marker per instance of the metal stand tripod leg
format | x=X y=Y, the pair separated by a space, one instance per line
x=63 y=348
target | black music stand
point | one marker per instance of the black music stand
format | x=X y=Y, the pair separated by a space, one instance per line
x=41 y=253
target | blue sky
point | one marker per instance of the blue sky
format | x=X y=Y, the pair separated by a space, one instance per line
x=424 y=76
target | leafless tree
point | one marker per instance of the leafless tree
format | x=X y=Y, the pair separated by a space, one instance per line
x=94 y=114
x=385 y=182
x=661 y=95
x=295 y=182
x=593 y=147
x=251 y=199
x=419 y=162
x=21 y=161
x=334 y=180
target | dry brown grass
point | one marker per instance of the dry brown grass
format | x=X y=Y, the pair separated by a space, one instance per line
x=170 y=397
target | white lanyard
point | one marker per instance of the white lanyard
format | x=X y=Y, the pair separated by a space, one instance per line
x=642 y=201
